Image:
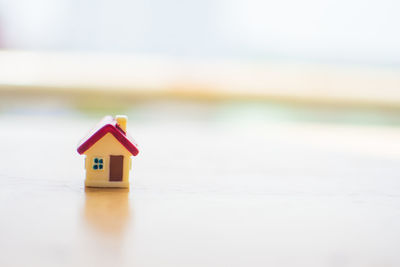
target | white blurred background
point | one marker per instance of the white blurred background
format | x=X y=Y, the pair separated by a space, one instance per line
x=334 y=31
x=324 y=53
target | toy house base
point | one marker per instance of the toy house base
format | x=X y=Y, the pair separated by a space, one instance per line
x=92 y=183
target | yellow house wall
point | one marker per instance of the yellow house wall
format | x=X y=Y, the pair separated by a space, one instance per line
x=105 y=147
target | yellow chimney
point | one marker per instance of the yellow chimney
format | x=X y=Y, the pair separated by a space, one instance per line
x=121 y=121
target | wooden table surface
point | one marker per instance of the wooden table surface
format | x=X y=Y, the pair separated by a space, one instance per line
x=205 y=192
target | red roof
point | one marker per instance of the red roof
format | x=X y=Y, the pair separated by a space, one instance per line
x=108 y=125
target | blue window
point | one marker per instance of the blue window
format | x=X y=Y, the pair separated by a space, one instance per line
x=97 y=163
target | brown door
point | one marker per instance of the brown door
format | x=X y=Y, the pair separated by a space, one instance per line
x=116 y=168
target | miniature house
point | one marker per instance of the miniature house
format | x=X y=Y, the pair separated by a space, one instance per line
x=108 y=150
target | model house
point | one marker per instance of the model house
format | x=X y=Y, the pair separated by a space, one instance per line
x=108 y=150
